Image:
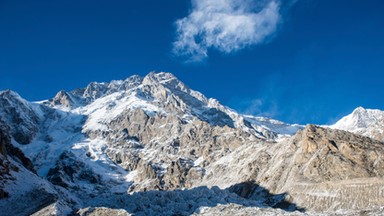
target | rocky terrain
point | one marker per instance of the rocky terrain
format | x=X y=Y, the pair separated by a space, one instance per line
x=153 y=146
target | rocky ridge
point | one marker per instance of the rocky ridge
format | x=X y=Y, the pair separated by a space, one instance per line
x=321 y=169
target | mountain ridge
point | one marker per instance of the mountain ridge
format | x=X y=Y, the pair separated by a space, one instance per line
x=116 y=145
x=192 y=102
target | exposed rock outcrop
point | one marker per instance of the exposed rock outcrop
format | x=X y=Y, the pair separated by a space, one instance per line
x=102 y=212
x=173 y=144
x=318 y=168
x=65 y=99
x=4 y=163
x=68 y=170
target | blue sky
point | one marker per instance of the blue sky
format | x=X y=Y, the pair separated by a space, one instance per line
x=304 y=61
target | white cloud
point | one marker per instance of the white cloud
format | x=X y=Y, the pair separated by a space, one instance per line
x=257 y=107
x=225 y=25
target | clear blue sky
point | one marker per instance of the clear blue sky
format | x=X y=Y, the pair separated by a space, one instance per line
x=322 y=59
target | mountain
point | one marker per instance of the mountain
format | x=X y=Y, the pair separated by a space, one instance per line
x=153 y=146
x=366 y=122
x=161 y=93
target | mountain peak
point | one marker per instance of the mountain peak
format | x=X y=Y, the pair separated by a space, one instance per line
x=359 y=109
x=133 y=78
x=360 y=112
x=367 y=116
x=13 y=97
x=19 y=115
x=367 y=122
x=160 y=77
x=9 y=93
x=95 y=90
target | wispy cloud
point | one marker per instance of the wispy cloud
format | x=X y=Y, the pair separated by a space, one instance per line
x=225 y=25
x=257 y=107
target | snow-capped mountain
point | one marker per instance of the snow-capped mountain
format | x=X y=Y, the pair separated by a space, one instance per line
x=127 y=135
x=366 y=122
x=153 y=146
x=161 y=93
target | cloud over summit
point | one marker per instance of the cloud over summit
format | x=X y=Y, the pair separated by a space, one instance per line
x=225 y=25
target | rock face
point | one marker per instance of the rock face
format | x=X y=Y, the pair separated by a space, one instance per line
x=5 y=139
x=19 y=116
x=338 y=155
x=8 y=153
x=64 y=99
x=68 y=170
x=4 y=163
x=153 y=146
x=333 y=167
x=21 y=191
x=320 y=169
x=182 y=142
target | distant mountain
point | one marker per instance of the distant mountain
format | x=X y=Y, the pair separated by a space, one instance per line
x=366 y=122
x=153 y=146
